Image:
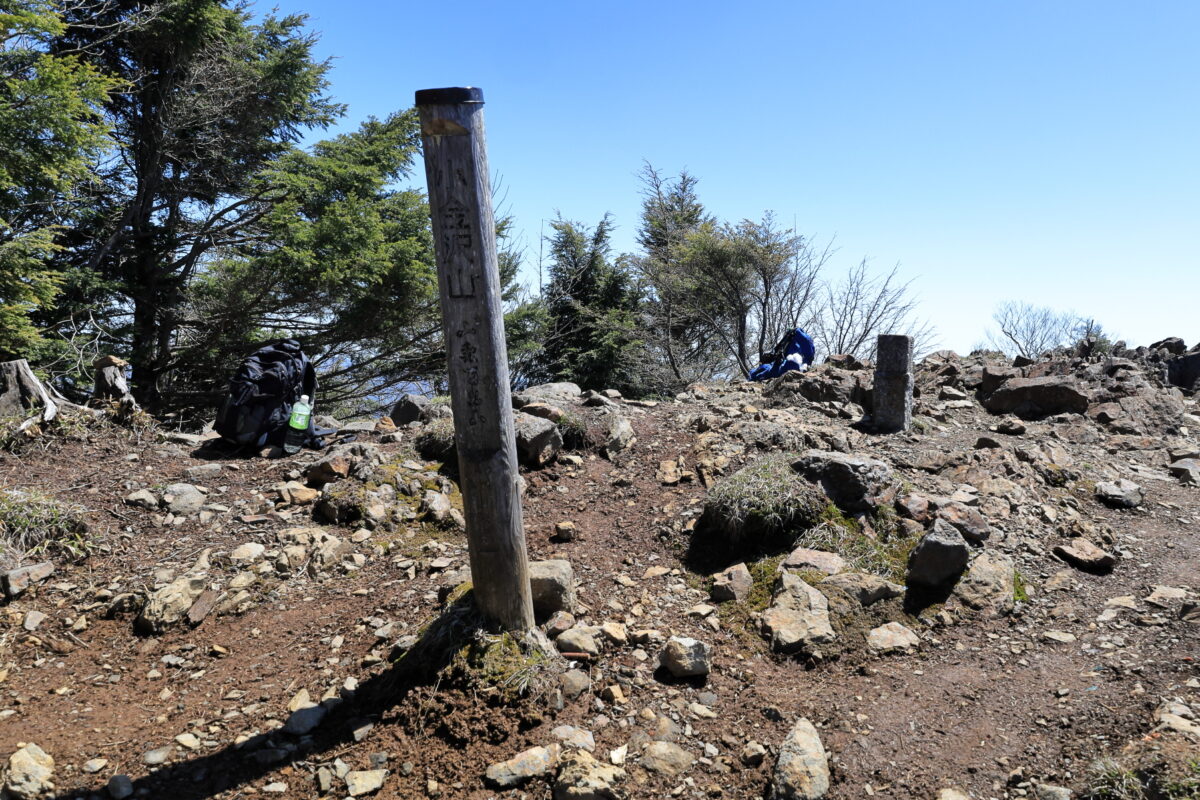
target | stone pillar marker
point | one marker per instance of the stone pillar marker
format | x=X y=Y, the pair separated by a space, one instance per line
x=893 y=384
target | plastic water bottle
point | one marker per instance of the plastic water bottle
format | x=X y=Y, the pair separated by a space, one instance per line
x=297 y=431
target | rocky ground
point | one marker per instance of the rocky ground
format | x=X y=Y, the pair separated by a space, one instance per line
x=752 y=595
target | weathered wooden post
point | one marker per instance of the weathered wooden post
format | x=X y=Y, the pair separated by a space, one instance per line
x=109 y=380
x=893 y=384
x=473 y=321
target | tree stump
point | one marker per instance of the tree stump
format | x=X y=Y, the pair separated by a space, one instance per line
x=21 y=392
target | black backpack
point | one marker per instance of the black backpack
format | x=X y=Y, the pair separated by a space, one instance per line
x=261 y=395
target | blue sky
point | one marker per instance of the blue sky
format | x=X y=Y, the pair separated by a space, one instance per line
x=1036 y=151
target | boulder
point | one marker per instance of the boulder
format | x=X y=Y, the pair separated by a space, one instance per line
x=203 y=472
x=18 y=580
x=685 y=657
x=545 y=411
x=1122 y=493
x=183 y=499
x=802 y=771
x=852 y=482
x=969 y=522
x=170 y=604
x=1184 y=371
x=1172 y=344
x=409 y=408
x=553 y=586
x=939 y=557
x=1187 y=470
x=353 y=459
x=142 y=498
x=437 y=507
x=1032 y=398
x=1084 y=555
x=798 y=618
x=582 y=777
x=538 y=439
x=733 y=583
x=993 y=377
x=821 y=385
x=579 y=639
x=552 y=393
x=620 y=435
x=246 y=553
x=29 y=774
x=988 y=585
x=667 y=758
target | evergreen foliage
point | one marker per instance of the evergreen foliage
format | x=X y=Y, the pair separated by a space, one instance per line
x=591 y=304
x=50 y=131
x=211 y=99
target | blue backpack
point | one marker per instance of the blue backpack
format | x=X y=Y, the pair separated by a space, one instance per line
x=794 y=343
x=261 y=395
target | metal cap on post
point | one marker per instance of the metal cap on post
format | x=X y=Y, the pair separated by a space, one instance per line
x=473 y=322
x=449 y=96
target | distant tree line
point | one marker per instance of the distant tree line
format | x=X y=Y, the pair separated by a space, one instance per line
x=155 y=204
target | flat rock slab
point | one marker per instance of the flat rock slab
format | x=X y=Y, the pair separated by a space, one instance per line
x=531 y=763
x=366 y=781
x=1084 y=555
x=17 y=581
x=892 y=638
x=803 y=558
x=798 y=618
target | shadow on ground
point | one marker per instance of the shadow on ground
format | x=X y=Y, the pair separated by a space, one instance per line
x=237 y=766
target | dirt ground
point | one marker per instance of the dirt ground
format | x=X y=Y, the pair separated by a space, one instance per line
x=991 y=707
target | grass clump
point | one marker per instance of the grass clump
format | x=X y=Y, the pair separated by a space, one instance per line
x=1168 y=771
x=436 y=442
x=499 y=665
x=885 y=554
x=32 y=523
x=575 y=433
x=766 y=501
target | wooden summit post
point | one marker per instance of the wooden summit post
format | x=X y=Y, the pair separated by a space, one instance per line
x=464 y=235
